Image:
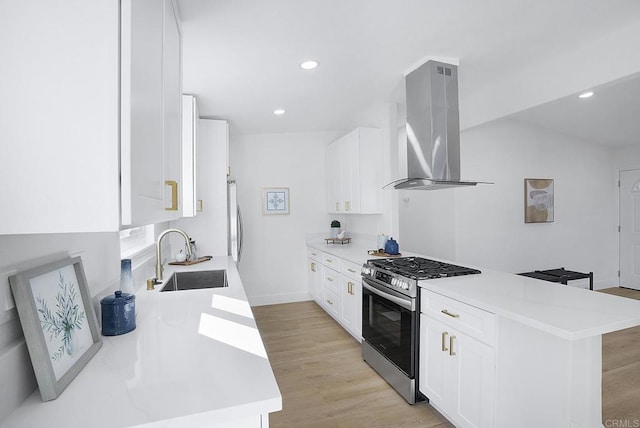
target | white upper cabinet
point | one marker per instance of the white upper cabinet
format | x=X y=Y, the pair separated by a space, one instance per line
x=59 y=116
x=189 y=147
x=354 y=172
x=151 y=112
x=90 y=115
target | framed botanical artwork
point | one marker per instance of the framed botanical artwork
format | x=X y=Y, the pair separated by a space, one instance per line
x=58 y=320
x=538 y=200
x=275 y=200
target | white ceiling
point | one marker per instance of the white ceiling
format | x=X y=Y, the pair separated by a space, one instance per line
x=610 y=117
x=241 y=57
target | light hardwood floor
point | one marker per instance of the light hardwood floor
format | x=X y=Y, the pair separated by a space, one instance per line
x=325 y=383
x=621 y=372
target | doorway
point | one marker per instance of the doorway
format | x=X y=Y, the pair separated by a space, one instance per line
x=629 y=229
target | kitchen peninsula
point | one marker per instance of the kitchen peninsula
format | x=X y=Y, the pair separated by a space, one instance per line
x=499 y=349
x=195 y=359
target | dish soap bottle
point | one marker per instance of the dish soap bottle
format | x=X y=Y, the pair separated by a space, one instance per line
x=391 y=247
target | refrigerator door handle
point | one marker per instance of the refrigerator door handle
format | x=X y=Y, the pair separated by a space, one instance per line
x=240 y=234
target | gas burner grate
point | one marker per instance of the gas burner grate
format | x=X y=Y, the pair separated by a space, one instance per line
x=421 y=268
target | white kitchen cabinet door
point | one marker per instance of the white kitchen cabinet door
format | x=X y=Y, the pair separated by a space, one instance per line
x=350 y=172
x=457 y=374
x=172 y=107
x=334 y=178
x=357 y=316
x=313 y=280
x=189 y=153
x=150 y=112
x=351 y=306
x=59 y=114
x=347 y=303
x=354 y=173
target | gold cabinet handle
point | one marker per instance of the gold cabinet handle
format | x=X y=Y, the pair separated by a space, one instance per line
x=174 y=195
x=444 y=341
x=313 y=267
x=350 y=287
x=446 y=312
x=200 y=206
x=451 y=352
x=347 y=205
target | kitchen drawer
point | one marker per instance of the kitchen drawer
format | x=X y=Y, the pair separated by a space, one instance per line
x=331 y=279
x=332 y=261
x=350 y=269
x=331 y=301
x=314 y=254
x=475 y=322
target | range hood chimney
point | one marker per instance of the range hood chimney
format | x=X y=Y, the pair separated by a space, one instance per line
x=433 y=128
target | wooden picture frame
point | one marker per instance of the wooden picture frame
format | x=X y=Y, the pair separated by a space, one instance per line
x=275 y=200
x=538 y=200
x=58 y=320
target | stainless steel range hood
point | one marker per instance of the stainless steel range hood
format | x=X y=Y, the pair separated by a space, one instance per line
x=433 y=129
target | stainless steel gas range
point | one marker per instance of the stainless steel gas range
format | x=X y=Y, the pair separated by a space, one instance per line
x=391 y=313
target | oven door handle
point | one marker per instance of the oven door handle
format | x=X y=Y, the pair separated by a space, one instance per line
x=407 y=304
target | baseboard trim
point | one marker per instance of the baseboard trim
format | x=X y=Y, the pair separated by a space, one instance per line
x=274 y=299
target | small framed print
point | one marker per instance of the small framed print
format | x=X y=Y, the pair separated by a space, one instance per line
x=58 y=320
x=538 y=200
x=275 y=200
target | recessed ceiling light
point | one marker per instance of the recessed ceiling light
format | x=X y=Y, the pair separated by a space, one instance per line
x=585 y=94
x=279 y=112
x=309 y=65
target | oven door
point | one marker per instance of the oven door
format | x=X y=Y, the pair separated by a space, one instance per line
x=389 y=324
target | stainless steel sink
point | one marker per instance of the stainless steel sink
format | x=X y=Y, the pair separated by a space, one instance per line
x=196 y=280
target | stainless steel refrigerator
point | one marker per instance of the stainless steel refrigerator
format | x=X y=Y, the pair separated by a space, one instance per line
x=234 y=219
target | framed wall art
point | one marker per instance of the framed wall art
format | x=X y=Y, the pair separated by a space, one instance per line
x=538 y=200
x=58 y=320
x=275 y=200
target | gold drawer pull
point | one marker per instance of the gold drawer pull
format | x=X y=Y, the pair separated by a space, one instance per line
x=446 y=312
x=444 y=341
x=329 y=279
x=174 y=195
x=451 y=352
x=328 y=260
x=351 y=270
x=350 y=287
x=330 y=302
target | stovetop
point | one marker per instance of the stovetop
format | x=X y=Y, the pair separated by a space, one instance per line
x=403 y=273
x=420 y=268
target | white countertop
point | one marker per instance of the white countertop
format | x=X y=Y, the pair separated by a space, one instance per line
x=196 y=356
x=567 y=312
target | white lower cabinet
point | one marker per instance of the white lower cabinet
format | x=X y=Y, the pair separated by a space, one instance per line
x=457 y=371
x=314 y=280
x=334 y=283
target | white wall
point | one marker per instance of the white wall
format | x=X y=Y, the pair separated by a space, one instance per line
x=274 y=257
x=100 y=254
x=484 y=226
